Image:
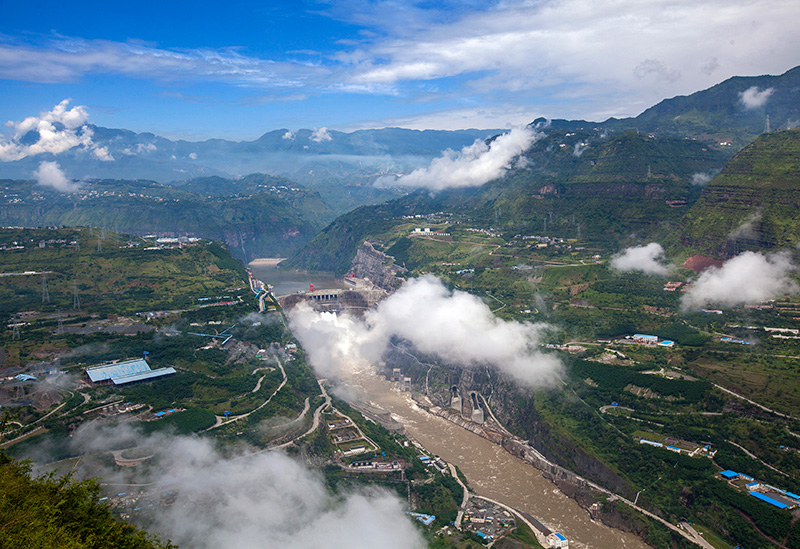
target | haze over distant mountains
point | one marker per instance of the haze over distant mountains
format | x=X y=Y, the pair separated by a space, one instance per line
x=602 y=181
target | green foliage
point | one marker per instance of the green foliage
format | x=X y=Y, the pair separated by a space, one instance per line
x=47 y=512
x=758 y=186
x=188 y=421
x=612 y=381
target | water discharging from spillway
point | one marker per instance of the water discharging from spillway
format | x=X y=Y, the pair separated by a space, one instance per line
x=490 y=470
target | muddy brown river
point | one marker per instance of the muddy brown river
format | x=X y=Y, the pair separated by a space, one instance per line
x=490 y=470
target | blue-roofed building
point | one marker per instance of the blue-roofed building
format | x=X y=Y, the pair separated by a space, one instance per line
x=427 y=520
x=557 y=540
x=792 y=495
x=24 y=377
x=650 y=443
x=144 y=376
x=769 y=500
x=729 y=475
x=129 y=371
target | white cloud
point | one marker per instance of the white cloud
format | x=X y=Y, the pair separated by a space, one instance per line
x=251 y=501
x=67 y=59
x=747 y=278
x=52 y=131
x=747 y=229
x=101 y=153
x=472 y=166
x=193 y=156
x=50 y=174
x=146 y=147
x=577 y=151
x=320 y=135
x=637 y=53
x=701 y=178
x=646 y=259
x=753 y=98
x=289 y=135
x=555 y=58
x=453 y=325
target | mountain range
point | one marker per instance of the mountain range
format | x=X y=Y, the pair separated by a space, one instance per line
x=608 y=183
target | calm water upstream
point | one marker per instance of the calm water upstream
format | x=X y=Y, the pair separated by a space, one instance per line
x=290 y=282
x=491 y=471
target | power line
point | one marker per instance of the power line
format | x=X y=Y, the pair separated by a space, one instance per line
x=76 y=299
x=45 y=291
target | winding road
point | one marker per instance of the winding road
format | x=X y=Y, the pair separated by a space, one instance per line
x=221 y=419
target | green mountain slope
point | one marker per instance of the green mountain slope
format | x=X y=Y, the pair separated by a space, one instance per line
x=263 y=219
x=752 y=204
x=581 y=185
x=59 y=512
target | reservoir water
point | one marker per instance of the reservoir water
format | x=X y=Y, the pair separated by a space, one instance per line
x=286 y=282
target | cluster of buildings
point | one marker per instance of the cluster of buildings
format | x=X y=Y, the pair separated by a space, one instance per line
x=777 y=497
x=650 y=340
x=681 y=447
x=427 y=232
x=487 y=520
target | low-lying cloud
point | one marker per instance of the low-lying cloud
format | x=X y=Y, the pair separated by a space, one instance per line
x=54 y=132
x=747 y=229
x=747 y=278
x=702 y=178
x=320 y=135
x=647 y=259
x=248 y=501
x=50 y=174
x=472 y=166
x=753 y=98
x=455 y=326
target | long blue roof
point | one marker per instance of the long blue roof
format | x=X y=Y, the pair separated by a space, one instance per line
x=117 y=369
x=769 y=500
x=141 y=376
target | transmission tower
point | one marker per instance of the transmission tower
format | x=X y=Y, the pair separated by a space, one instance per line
x=15 y=331
x=76 y=299
x=60 y=329
x=766 y=126
x=45 y=291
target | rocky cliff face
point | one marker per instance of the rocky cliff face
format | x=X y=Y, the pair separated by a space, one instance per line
x=378 y=267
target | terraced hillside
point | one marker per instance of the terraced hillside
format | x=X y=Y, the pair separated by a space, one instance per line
x=752 y=204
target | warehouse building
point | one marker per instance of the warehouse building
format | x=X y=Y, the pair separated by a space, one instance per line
x=123 y=373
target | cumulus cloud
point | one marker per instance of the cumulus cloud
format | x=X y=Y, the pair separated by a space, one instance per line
x=52 y=131
x=249 y=500
x=747 y=278
x=472 y=166
x=320 y=135
x=456 y=326
x=701 y=178
x=753 y=98
x=289 y=135
x=647 y=259
x=193 y=156
x=146 y=147
x=50 y=174
x=101 y=153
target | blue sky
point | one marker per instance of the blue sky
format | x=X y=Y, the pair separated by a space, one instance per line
x=236 y=70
